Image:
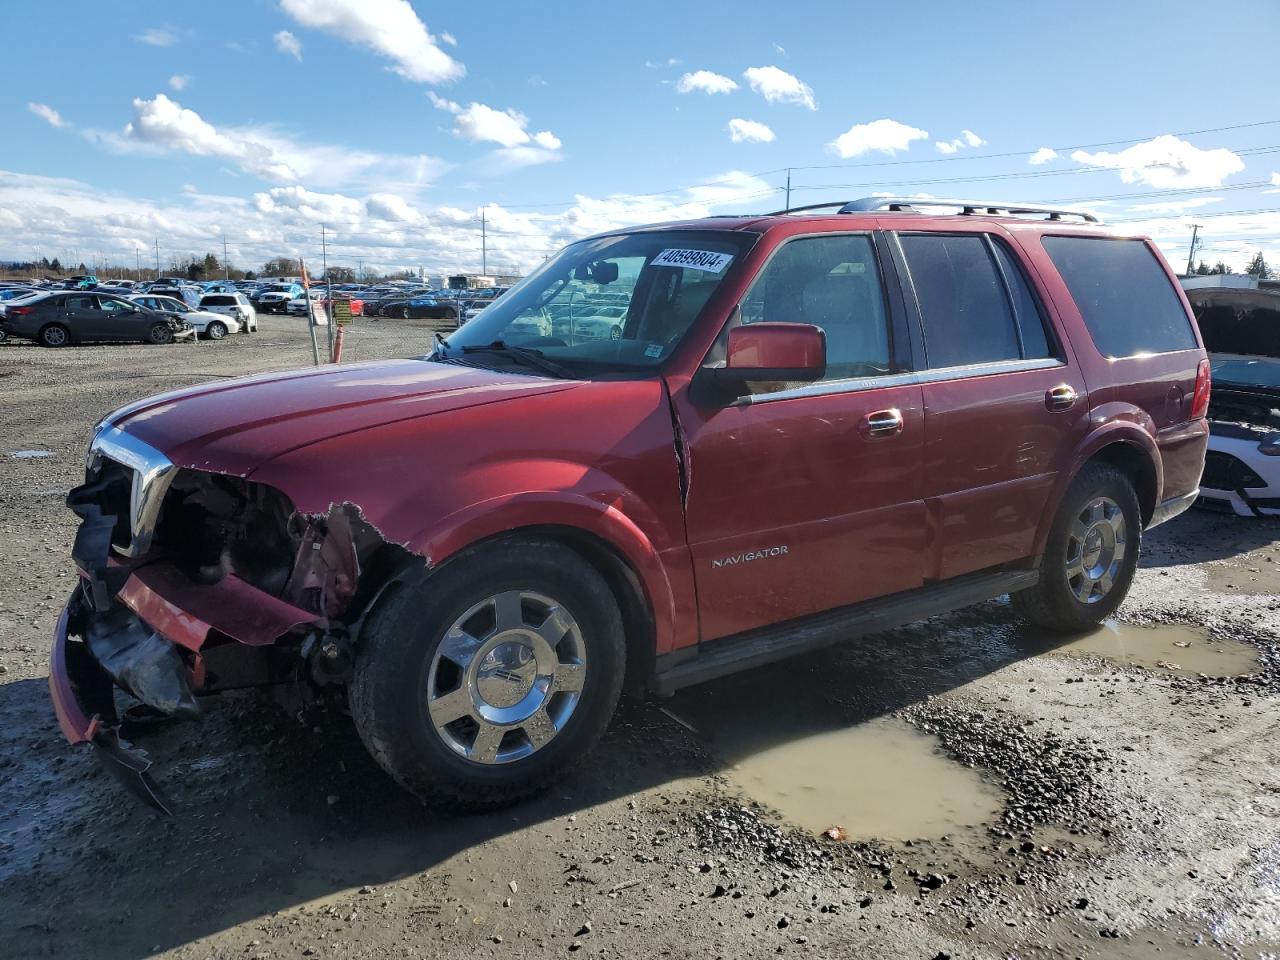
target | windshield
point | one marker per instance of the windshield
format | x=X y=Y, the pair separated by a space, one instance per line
x=614 y=303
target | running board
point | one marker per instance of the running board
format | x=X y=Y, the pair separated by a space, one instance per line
x=778 y=641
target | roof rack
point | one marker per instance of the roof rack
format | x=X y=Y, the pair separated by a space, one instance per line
x=968 y=208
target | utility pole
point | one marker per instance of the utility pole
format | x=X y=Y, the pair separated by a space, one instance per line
x=226 y=264
x=484 y=245
x=157 y=258
x=137 y=261
x=1195 y=231
x=787 y=205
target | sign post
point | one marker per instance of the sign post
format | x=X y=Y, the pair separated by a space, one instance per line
x=311 y=317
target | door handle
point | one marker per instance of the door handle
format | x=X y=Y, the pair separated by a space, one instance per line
x=882 y=423
x=1061 y=397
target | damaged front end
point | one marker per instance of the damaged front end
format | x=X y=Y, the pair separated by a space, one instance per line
x=192 y=583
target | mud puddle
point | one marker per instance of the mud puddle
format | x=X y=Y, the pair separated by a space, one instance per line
x=1172 y=648
x=881 y=780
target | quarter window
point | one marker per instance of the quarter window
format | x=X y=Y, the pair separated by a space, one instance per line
x=965 y=312
x=1125 y=296
x=1031 y=323
x=832 y=282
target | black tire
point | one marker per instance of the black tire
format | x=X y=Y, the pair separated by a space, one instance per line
x=1053 y=603
x=389 y=689
x=54 y=335
x=160 y=334
x=404 y=312
x=216 y=330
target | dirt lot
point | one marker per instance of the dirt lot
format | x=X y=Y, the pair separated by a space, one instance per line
x=1001 y=793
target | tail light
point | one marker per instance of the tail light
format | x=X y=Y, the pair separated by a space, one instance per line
x=18 y=311
x=1200 y=399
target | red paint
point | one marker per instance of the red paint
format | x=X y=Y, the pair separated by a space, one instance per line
x=76 y=724
x=777 y=346
x=439 y=457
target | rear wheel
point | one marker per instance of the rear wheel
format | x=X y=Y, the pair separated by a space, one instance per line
x=404 y=313
x=55 y=335
x=478 y=686
x=1091 y=555
x=216 y=330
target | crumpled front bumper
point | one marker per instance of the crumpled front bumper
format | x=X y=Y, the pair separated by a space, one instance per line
x=150 y=642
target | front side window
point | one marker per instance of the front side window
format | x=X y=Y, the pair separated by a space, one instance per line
x=964 y=309
x=611 y=304
x=832 y=282
x=1126 y=298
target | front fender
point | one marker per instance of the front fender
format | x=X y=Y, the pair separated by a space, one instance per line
x=1109 y=423
x=601 y=518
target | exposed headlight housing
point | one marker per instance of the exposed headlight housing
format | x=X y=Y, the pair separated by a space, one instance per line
x=1270 y=446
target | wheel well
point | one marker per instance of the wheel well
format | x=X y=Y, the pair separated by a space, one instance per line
x=1136 y=464
x=623 y=582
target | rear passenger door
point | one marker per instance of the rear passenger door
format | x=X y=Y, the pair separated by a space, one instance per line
x=1005 y=403
x=83 y=315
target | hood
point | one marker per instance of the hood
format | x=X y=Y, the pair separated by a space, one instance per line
x=236 y=426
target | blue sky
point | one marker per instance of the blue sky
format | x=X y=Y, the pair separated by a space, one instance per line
x=393 y=122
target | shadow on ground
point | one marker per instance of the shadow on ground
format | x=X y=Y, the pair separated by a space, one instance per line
x=271 y=813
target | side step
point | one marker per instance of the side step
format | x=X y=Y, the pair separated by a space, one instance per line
x=778 y=641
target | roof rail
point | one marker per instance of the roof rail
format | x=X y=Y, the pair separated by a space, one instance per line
x=968 y=208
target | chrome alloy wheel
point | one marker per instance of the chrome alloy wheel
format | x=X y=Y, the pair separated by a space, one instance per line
x=1096 y=545
x=507 y=677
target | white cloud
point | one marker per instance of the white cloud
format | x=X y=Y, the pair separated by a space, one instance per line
x=179 y=81
x=778 y=86
x=448 y=38
x=885 y=136
x=1165 y=162
x=749 y=131
x=482 y=123
x=1174 y=206
x=967 y=138
x=286 y=42
x=1043 y=155
x=162 y=124
x=157 y=37
x=705 y=81
x=661 y=64
x=779 y=49
x=389 y=206
x=389 y=27
x=47 y=114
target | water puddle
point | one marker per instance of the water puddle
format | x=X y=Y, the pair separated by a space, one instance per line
x=1173 y=648
x=882 y=780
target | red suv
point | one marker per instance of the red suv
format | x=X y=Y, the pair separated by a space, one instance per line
x=813 y=424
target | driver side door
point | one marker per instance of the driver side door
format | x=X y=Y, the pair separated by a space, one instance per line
x=806 y=497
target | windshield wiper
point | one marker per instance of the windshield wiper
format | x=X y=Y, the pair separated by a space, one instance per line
x=527 y=355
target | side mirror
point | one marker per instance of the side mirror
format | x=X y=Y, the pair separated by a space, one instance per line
x=761 y=352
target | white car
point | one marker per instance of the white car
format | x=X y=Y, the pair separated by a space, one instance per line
x=215 y=326
x=1242 y=467
x=233 y=305
x=298 y=305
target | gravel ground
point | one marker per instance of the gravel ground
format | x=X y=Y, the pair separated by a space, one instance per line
x=1141 y=810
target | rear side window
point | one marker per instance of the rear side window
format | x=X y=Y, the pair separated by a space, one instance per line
x=1031 y=329
x=218 y=301
x=1124 y=295
x=965 y=312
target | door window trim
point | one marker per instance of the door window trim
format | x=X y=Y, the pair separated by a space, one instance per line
x=909 y=378
x=1053 y=341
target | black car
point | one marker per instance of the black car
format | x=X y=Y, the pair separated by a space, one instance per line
x=78 y=316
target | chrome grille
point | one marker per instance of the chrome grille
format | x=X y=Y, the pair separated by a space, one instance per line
x=151 y=473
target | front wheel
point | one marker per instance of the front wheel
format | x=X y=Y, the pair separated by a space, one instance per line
x=216 y=330
x=404 y=313
x=476 y=687
x=160 y=333
x=1091 y=555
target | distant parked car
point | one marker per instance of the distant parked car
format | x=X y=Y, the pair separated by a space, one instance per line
x=186 y=293
x=215 y=326
x=275 y=298
x=298 y=305
x=66 y=317
x=85 y=281
x=233 y=305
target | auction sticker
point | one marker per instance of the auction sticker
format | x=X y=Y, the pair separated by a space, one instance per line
x=706 y=260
